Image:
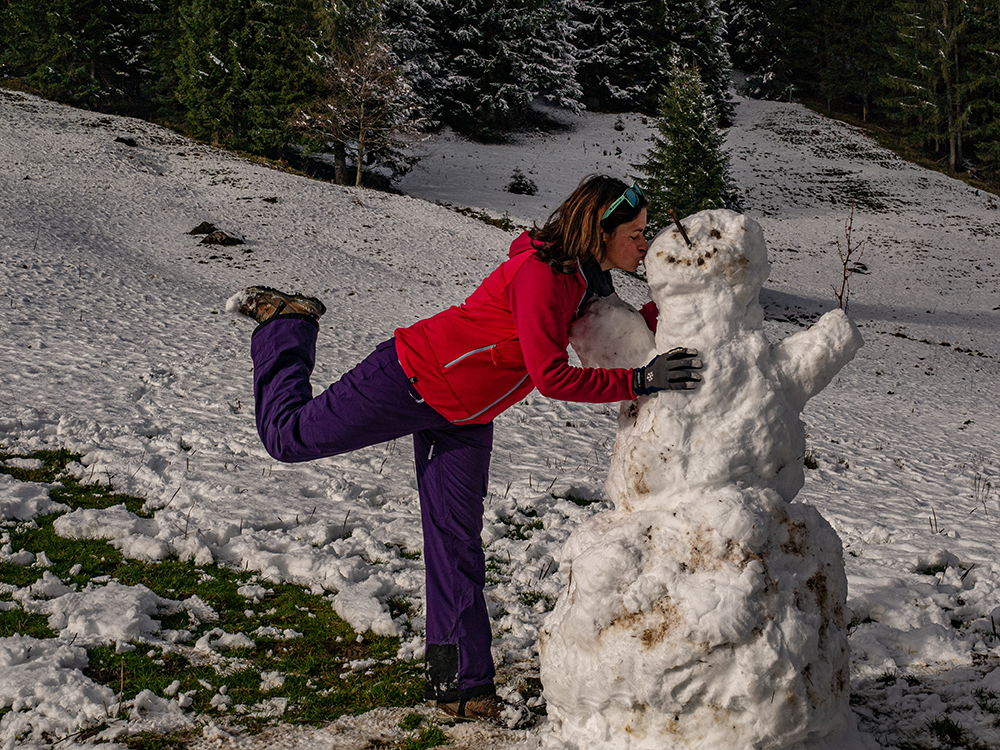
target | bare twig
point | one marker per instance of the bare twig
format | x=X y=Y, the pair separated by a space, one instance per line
x=673 y=215
x=850 y=260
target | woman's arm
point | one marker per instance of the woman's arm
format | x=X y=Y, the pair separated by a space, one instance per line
x=543 y=305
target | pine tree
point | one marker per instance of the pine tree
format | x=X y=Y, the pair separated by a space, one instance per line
x=697 y=30
x=755 y=34
x=983 y=63
x=933 y=90
x=84 y=52
x=477 y=65
x=687 y=168
x=621 y=69
x=244 y=67
x=630 y=45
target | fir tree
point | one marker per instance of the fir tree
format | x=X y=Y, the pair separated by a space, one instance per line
x=243 y=68
x=757 y=47
x=621 y=69
x=84 y=52
x=687 y=168
x=930 y=78
x=698 y=34
x=477 y=65
x=863 y=48
x=161 y=30
x=630 y=45
x=984 y=61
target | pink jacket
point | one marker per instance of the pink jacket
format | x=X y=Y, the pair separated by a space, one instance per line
x=509 y=337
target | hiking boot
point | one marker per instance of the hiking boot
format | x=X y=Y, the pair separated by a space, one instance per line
x=263 y=303
x=488 y=708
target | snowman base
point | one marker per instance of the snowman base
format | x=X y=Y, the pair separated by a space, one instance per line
x=719 y=624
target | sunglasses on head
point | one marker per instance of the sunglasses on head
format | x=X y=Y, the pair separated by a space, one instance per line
x=632 y=196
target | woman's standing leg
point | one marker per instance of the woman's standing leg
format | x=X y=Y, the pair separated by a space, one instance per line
x=452 y=475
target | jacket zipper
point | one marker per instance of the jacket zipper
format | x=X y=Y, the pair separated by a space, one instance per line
x=469 y=354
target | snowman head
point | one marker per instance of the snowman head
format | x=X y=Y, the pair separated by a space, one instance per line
x=727 y=260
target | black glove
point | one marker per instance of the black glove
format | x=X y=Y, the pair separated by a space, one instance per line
x=672 y=371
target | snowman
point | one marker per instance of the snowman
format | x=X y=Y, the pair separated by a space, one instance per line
x=707 y=610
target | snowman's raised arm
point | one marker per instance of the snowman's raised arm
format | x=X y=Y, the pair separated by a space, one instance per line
x=807 y=361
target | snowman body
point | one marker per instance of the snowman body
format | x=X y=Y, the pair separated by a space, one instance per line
x=707 y=609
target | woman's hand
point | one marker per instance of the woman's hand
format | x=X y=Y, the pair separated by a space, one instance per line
x=673 y=371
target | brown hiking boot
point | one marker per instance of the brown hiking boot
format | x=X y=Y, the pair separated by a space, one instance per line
x=263 y=303
x=488 y=708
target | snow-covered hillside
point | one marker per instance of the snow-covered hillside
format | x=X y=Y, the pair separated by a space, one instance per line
x=114 y=343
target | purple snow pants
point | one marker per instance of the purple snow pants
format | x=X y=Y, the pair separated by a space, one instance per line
x=374 y=403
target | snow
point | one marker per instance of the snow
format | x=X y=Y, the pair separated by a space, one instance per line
x=115 y=344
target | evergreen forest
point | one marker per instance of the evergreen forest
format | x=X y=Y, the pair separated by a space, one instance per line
x=288 y=78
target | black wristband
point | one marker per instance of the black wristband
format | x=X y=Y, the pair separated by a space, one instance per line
x=639 y=381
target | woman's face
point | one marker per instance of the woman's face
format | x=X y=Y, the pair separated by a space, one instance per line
x=626 y=245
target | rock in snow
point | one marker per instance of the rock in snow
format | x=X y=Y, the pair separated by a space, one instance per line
x=706 y=610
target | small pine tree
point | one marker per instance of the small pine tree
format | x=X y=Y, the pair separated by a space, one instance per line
x=687 y=168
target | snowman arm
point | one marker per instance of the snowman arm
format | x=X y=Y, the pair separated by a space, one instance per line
x=807 y=361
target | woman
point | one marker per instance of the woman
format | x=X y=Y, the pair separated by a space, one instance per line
x=443 y=380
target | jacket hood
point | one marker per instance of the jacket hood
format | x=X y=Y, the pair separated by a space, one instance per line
x=521 y=245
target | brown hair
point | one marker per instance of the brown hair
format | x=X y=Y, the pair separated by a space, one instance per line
x=575 y=230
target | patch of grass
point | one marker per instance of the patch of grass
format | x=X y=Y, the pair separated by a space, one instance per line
x=583 y=502
x=320 y=683
x=72 y=492
x=504 y=222
x=531 y=598
x=520 y=531
x=429 y=736
x=810 y=460
x=151 y=741
x=946 y=730
x=411 y=722
x=886 y=679
x=17 y=621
